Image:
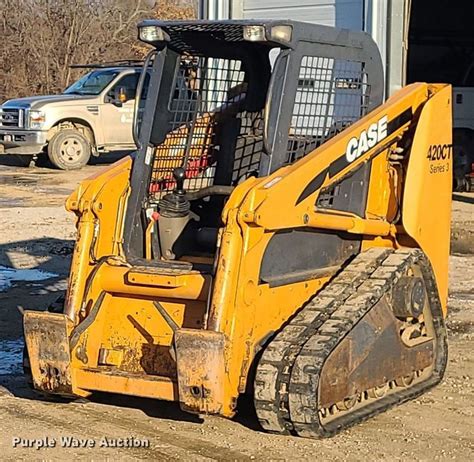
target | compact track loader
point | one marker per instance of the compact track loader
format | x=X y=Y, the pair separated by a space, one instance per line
x=280 y=232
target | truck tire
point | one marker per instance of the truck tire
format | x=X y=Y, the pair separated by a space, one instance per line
x=69 y=149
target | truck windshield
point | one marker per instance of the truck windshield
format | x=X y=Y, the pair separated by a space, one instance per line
x=92 y=83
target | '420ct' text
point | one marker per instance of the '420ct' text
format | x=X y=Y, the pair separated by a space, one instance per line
x=437 y=153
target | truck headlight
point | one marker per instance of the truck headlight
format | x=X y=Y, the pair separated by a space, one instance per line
x=37 y=119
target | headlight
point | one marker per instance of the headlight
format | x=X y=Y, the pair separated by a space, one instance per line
x=282 y=32
x=254 y=33
x=151 y=34
x=37 y=119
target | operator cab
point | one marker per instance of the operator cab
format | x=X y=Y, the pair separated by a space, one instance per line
x=228 y=101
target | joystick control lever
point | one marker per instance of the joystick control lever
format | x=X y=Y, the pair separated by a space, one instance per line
x=179 y=175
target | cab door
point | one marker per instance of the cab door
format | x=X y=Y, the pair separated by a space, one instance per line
x=116 y=115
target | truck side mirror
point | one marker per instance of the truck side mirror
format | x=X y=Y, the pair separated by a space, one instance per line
x=120 y=96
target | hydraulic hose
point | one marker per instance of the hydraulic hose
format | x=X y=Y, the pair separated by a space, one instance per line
x=216 y=190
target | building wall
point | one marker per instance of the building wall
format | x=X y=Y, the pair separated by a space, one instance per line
x=347 y=14
x=384 y=20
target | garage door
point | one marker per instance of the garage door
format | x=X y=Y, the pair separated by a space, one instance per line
x=340 y=13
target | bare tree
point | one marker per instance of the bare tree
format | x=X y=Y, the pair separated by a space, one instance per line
x=42 y=38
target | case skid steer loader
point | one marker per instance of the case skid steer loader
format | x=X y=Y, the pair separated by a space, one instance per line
x=279 y=232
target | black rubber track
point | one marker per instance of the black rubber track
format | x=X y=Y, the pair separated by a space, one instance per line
x=287 y=376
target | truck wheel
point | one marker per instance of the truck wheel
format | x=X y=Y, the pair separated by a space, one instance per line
x=69 y=149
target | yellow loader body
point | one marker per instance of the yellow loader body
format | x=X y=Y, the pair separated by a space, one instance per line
x=180 y=333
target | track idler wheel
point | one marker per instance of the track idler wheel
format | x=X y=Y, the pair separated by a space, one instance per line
x=408 y=297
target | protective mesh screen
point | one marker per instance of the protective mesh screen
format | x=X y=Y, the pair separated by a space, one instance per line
x=332 y=94
x=183 y=36
x=208 y=91
x=248 y=147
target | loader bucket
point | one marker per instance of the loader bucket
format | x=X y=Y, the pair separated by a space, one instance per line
x=47 y=341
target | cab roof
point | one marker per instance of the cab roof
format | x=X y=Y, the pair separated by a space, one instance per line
x=182 y=33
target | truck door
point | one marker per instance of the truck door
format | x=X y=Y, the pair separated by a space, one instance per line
x=116 y=117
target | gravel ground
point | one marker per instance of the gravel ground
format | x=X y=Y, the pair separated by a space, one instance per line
x=37 y=234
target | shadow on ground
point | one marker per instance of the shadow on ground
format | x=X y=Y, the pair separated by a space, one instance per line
x=463 y=198
x=23 y=161
x=46 y=255
x=18 y=386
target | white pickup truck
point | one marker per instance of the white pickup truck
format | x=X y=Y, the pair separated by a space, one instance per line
x=463 y=133
x=92 y=116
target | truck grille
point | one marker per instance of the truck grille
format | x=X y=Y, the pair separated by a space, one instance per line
x=12 y=118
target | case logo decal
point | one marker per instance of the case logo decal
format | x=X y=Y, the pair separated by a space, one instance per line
x=367 y=139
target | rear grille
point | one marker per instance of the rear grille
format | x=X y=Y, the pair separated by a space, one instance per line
x=12 y=118
x=332 y=94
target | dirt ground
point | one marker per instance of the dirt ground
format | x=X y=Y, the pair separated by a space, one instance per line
x=36 y=238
